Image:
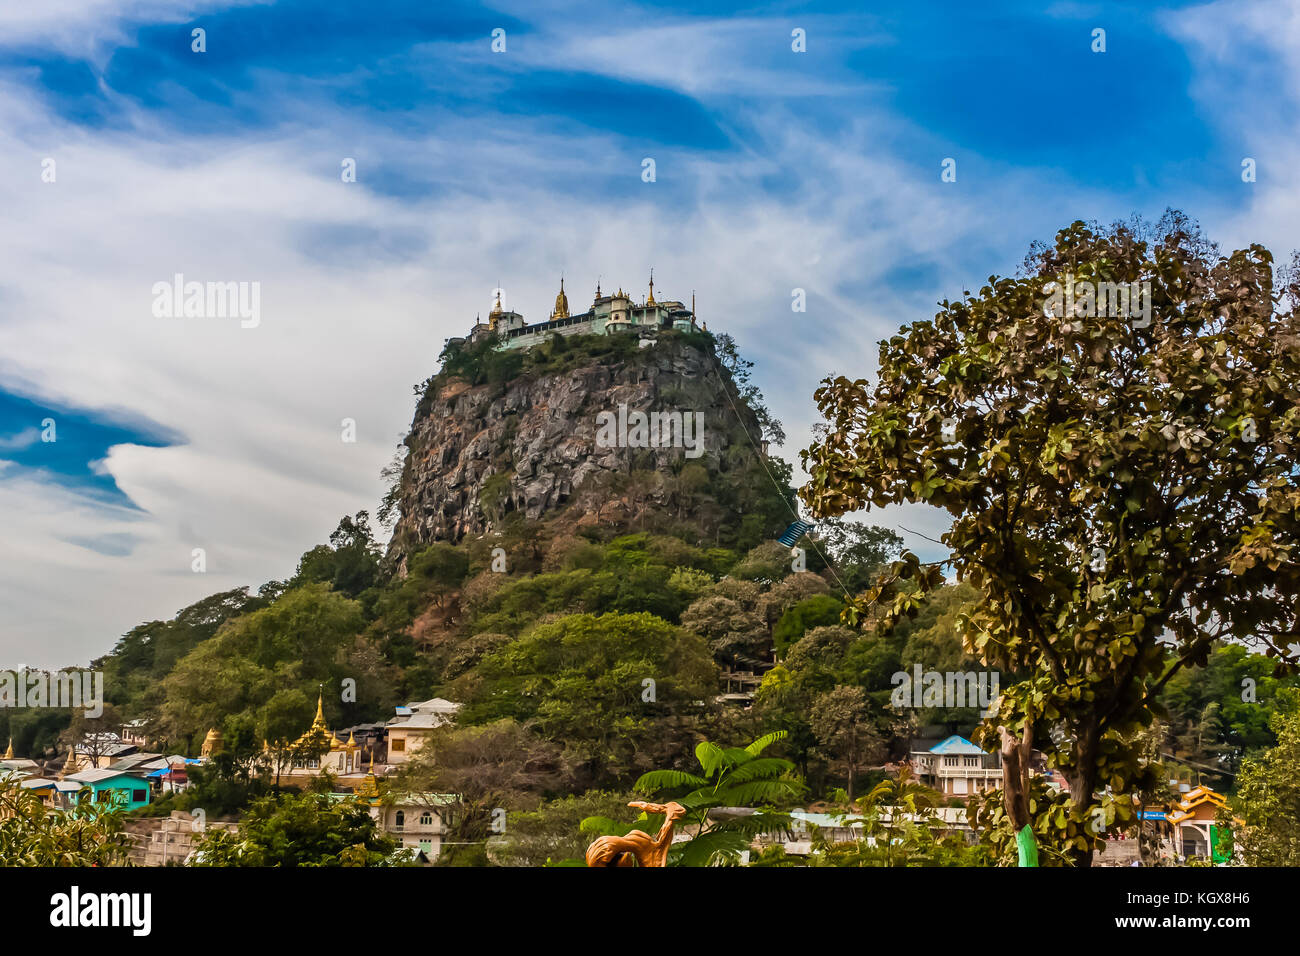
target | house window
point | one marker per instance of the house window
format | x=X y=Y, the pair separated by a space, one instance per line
x=399 y=821
x=140 y=796
x=398 y=744
x=426 y=819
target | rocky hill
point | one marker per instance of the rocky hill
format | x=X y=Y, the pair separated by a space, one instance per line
x=503 y=436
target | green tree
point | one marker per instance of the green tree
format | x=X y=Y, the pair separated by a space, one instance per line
x=305 y=639
x=727 y=616
x=841 y=720
x=820 y=610
x=299 y=829
x=349 y=564
x=615 y=688
x=858 y=550
x=1116 y=476
x=1268 y=795
x=478 y=778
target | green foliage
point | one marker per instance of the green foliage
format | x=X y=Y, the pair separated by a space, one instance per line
x=581 y=680
x=1111 y=482
x=1062 y=830
x=898 y=825
x=471 y=774
x=738 y=777
x=858 y=550
x=818 y=611
x=244 y=673
x=299 y=829
x=1220 y=713
x=1268 y=795
x=842 y=722
x=552 y=835
x=134 y=671
x=32 y=834
x=349 y=565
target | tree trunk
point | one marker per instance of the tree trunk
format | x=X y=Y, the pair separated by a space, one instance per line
x=1082 y=778
x=1015 y=790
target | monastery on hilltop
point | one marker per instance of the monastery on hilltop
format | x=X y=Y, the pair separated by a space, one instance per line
x=606 y=315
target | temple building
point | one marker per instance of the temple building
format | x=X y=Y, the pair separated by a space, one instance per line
x=606 y=315
x=316 y=751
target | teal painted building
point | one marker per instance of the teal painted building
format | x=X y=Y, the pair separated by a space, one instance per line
x=115 y=786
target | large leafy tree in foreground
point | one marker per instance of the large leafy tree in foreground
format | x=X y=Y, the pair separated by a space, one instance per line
x=1121 y=474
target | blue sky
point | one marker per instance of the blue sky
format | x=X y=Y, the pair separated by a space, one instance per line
x=775 y=170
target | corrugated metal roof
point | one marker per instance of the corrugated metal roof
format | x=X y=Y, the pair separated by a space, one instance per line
x=956 y=744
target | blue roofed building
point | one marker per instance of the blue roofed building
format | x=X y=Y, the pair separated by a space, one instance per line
x=955 y=767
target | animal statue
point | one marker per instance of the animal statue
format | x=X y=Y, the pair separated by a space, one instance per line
x=638 y=848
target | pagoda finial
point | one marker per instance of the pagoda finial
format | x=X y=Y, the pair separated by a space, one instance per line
x=651 y=300
x=561 y=310
x=9 y=754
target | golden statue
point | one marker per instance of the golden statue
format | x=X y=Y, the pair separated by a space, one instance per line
x=638 y=848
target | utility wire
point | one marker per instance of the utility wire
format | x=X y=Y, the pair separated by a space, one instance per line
x=758 y=452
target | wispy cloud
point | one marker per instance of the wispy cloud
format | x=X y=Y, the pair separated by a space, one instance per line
x=775 y=171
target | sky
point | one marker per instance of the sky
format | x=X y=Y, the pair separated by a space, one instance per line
x=128 y=157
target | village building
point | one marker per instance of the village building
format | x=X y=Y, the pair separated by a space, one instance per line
x=414 y=723
x=116 y=786
x=169 y=840
x=956 y=767
x=1194 y=824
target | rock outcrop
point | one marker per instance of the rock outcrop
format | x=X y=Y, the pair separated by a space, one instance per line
x=528 y=446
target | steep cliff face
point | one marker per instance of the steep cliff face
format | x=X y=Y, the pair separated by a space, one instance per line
x=482 y=456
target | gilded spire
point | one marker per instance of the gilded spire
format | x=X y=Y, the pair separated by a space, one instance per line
x=495 y=314
x=561 y=310
x=651 y=300
x=370 y=785
x=212 y=743
x=70 y=765
x=320 y=712
x=9 y=754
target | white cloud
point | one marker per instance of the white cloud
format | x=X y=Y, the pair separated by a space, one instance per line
x=359 y=291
